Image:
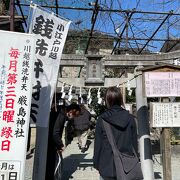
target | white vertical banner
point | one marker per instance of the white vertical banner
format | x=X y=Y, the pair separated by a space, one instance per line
x=16 y=69
x=51 y=33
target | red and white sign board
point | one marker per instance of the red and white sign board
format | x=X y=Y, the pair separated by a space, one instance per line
x=165 y=114
x=162 y=84
x=16 y=67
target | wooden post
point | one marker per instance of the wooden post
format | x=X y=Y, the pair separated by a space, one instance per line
x=11 y=15
x=166 y=150
x=124 y=93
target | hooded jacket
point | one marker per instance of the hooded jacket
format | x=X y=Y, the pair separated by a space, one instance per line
x=125 y=134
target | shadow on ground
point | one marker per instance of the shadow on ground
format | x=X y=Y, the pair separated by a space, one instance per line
x=157 y=175
x=30 y=153
x=155 y=147
x=74 y=162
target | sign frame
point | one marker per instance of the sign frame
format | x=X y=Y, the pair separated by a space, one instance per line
x=170 y=81
x=170 y=114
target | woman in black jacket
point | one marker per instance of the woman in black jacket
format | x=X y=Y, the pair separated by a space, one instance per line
x=124 y=131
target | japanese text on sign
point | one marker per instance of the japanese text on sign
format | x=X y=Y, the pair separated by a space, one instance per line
x=165 y=114
x=16 y=65
x=9 y=170
x=50 y=32
x=162 y=84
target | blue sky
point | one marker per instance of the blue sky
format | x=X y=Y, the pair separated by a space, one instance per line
x=141 y=25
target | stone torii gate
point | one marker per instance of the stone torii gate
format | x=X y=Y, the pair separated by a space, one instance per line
x=94 y=68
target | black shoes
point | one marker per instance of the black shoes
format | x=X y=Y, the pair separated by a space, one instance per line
x=83 y=150
x=79 y=147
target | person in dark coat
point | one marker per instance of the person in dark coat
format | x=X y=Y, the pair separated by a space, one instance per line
x=65 y=115
x=124 y=131
x=81 y=126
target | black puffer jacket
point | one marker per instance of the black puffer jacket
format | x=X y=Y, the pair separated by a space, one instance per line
x=125 y=134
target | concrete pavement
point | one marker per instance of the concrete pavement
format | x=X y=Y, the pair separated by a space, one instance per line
x=79 y=166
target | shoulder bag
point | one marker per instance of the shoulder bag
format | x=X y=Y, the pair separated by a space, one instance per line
x=127 y=167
